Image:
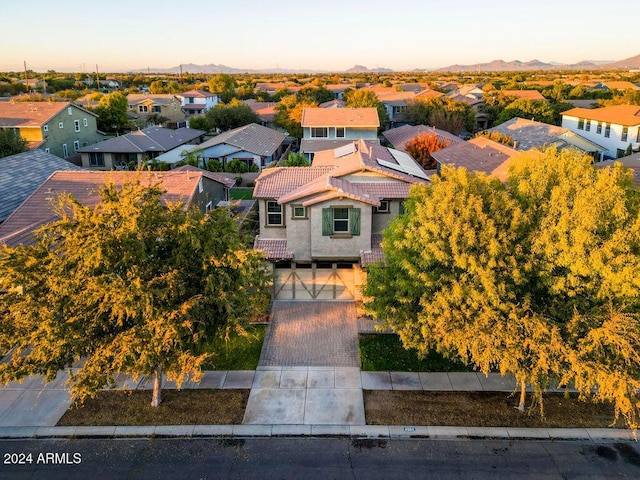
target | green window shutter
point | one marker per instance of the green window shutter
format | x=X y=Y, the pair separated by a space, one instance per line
x=354 y=216
x=327 y=221
x=401 y=210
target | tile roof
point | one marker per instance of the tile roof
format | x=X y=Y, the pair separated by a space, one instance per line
x=273 y=249
x=341 y=117
x=159 y=98
x=391 y=96
x=21 y=174
x=374 y=255
x=622 y=85
x=479 y=154
x=277 y=181
x=333 y=104
x=628 y=115
x=197 y=94
x=631 y=161
x=429 y=94
x=528 y=134
x=398 y=137
x=265 y=110
x=525 y=94
x=151 y=139
x=222 y=178
x=294 y=183
x=32 y=114
x=469 y=99
x=37 y=210
x=253 y=138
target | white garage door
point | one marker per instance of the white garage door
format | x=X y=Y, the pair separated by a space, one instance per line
x=331 y=282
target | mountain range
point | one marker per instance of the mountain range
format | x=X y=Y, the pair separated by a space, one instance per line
x=494 y=66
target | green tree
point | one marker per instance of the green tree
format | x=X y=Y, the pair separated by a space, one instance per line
x=133 y=285
x=223 y=85
x=538 y=277
x=364 y=99
x=112 y=112
x=443 y=113
x=289 y=114
x=317 y=95
x=225 y=117
x=295 y=159
x=11 y=142
x=538 y=110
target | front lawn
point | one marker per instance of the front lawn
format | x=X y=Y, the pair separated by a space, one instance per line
x=385 y=353
x=239 y=353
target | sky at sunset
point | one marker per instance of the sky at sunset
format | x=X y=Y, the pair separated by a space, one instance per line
x=334 y=35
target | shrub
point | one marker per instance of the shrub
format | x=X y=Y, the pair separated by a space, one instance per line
x=236 y=166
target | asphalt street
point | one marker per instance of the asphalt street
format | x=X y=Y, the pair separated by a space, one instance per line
x=310 y=458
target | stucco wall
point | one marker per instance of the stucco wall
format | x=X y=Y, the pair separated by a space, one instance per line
x=612 y=143
x=269 y=232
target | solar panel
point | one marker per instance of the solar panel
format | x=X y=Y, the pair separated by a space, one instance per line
x=344 y=150
x=405 y=164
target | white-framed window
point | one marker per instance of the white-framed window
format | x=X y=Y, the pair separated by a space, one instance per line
x=96 y=159
x=340 y=220
x=156 y=109
x=208 y=206
x=45 y=128
x=85 y=122
x=581 y=124
x=76 y=125
x=383 y=208
x=65 y=150
x=274 y=214
x=143 y=108
x=61 y=125
x=625 y=134
x=200 y=186
x=339 y=132
x=298 y=211
x=76 y=146
x=319 y=132
x=70 y=111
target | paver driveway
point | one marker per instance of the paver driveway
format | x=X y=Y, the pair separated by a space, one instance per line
x=312 y=334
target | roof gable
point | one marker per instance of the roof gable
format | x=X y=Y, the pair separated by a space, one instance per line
x=341 y=117
x=253 y=138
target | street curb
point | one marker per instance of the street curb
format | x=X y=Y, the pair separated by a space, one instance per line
x=391 y=432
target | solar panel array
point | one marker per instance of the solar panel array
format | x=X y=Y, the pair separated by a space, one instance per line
x=344 y=150
x=405 y=164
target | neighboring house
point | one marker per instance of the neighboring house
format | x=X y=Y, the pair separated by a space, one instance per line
x=333 y=104
x=632 y=162
x=266 y=111
x=217 y=187
x=252 y=144
x=328 y=128
x=189 y=186
x=195 y=102
x=399 y=137
x=621 y=85
x=395 y=103
x=478 y=105
x=167 y=105
x=478 y=155
x=138 y=147
x=615 y=127
x=413 y=87
x=338 y=89
x=59 y=128
x=527 y=134
x=524 y=94
x=22 y=173
x=320 y=226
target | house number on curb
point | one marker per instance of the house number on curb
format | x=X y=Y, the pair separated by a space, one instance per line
x=409 y=429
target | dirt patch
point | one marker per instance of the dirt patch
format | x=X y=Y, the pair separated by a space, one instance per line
x=481 y=409
x=184 y=407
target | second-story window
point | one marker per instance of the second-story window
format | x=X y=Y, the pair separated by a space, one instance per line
x=61 y=125
x=274 y=214
x=625 y=134
x=587 y=126
x=319 y=132
x=581 y=124
x=156 y=109
x=599 y=128
x=339 y=132
x=76 y=125
x=85 y=122
x=607 y=130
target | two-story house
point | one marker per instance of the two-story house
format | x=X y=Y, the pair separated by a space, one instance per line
x=143 y=106
x=195 y=102
x=59 y=128
x=614 y=128
x=137 y=147
x=320 y=226
x=328 y=128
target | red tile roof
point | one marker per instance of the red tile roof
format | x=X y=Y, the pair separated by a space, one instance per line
x=341 y=117
x=31 y=114
x=273 y=249
x=526 y=94
x=222 y=178
x=278 y=181
x=375 y=254
x=628 y=115
x=197 y=94
x=84 y=185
